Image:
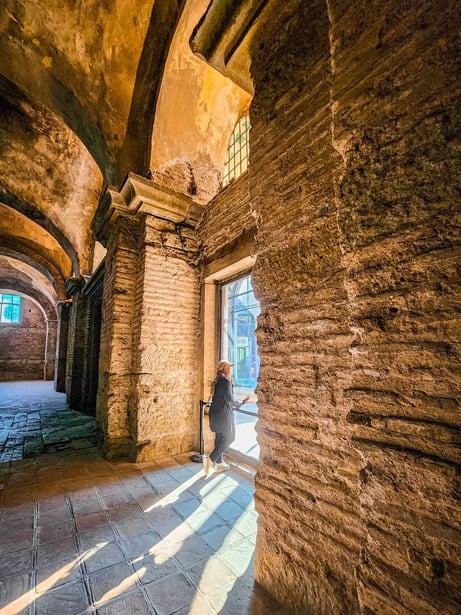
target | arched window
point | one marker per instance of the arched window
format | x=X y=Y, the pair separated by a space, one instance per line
x=239 y=148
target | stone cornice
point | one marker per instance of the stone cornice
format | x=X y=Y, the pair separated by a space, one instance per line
x=94 y=286
x=73 y=285
x=143 y=196
x=223 y=37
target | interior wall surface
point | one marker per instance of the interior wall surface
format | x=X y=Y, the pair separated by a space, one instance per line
x=226 y=232
x=163 y=410
x=23 y=346
x=226 y=226
x=114 y=382
x=354 y=184
x=148 y=399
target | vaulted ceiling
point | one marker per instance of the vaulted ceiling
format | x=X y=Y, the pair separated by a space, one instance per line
x=89 y=91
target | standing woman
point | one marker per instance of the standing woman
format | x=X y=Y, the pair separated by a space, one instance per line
x=222 y=417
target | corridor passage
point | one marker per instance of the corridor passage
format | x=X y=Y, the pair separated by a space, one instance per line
x=81 y=535
x=34 y=419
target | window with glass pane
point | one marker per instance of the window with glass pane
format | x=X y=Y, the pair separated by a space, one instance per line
x=238 y=345
x=238 y=341
x=238 y=151
x=10 y=308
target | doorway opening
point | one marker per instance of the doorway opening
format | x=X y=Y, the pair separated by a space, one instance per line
x=239 y=310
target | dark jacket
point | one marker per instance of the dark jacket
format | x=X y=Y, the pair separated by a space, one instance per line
x=222 y=404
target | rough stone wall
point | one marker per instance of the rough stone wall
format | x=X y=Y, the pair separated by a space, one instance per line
x=149 y=365
x=22 y=346
x=51 y=341
x=90 y=381
x=354 y=181
x=76 y=347
x=399 y=214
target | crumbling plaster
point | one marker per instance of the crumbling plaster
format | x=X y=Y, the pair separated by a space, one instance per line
x=195 y=128
x=47 y=174
x=82 y=64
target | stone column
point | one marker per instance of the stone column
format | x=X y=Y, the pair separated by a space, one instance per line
x=61 y=346
x=114 y=382
x=93 y=291
x=76 y=342
x=148 y=393
x=50 y=349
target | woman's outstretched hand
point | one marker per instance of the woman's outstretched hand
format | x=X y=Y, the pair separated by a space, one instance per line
x=246 y=400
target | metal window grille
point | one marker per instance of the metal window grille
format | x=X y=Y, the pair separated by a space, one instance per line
x=239 y=149
x=10 y=308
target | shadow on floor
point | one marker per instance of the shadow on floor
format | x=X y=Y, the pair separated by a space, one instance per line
x=82 y=535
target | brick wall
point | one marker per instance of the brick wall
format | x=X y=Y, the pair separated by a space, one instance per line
x=166 y=366
x=226 y=222
x=62 y=336
x=150 y=367
x=77 y=345
x=355 y=188
x=118 y=318
x=22 y=346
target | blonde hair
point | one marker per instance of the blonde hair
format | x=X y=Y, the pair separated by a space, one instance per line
x=223 y=366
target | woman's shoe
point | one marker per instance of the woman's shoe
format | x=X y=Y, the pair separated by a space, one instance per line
x=221 y=467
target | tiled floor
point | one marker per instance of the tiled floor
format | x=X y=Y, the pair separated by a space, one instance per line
x=34 y=419
x=81 y=535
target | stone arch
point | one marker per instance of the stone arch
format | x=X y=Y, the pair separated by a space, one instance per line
x=30 y=210
x=62 y=101
x=36 y=260
x=192 y=135
x=135 y=152
x=122 y=144
x=19 y=288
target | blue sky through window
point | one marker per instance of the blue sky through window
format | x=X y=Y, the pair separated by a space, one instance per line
x=10 y=308
x=240 y=310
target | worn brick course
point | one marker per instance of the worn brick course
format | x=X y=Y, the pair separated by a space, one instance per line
x=357 y=210
x=23 y=346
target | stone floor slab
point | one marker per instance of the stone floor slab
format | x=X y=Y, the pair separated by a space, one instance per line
x=81 y=535
x=166 y=601
x=112 y=582
x=70 y=599
x=133 y=603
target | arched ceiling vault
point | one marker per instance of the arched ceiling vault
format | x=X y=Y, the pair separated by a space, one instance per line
x=19 y=277
x=96 y=65
x=46 y=174
x=22 y=254
x=90 y=91
x=78 y=87
x=22 y=233
x=197 y=109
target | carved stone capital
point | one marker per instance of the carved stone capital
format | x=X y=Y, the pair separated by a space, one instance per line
x=74 y=285
x=143 y=196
